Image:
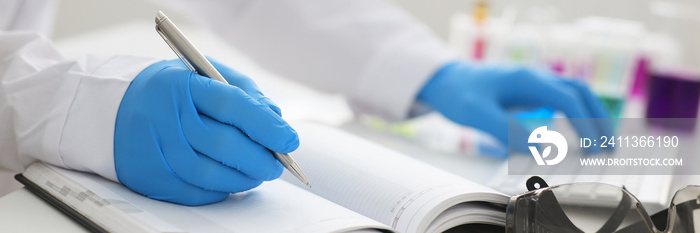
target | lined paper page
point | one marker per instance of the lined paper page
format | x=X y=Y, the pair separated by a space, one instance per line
x=379 y=183
x=275 y=206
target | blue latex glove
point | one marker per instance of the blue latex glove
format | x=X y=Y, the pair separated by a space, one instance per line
x=188 y=139
x=481 y=96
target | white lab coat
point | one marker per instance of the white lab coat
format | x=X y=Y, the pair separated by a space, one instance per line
x=63 y=111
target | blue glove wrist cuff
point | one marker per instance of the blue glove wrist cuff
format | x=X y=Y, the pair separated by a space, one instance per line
x=435 y=84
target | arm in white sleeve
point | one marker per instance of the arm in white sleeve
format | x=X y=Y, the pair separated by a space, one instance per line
x=61 y=111
x=366 y=49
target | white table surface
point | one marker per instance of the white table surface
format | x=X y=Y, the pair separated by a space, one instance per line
x=22 y=211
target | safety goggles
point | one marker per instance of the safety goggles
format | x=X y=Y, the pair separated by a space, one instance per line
x=596 y=207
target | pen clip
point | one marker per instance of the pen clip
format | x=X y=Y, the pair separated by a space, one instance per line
x=177 y=52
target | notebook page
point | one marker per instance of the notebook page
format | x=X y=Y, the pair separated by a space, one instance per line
x=275 y=206
x=377 y=182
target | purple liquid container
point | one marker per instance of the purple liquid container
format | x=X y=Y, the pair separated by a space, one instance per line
x=674 y=95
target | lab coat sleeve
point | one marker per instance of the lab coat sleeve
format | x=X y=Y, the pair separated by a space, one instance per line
x=61 y=111
x=367 y=50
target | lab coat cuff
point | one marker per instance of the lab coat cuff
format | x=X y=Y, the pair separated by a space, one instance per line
x=390 y=86
x=87 y=140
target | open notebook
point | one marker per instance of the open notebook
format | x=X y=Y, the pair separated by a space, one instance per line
x=358 y=186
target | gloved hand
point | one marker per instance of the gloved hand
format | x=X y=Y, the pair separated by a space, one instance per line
x=482 y=96
x=188 y=139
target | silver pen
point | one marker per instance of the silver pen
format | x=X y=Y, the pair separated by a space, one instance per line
x=195 y=61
